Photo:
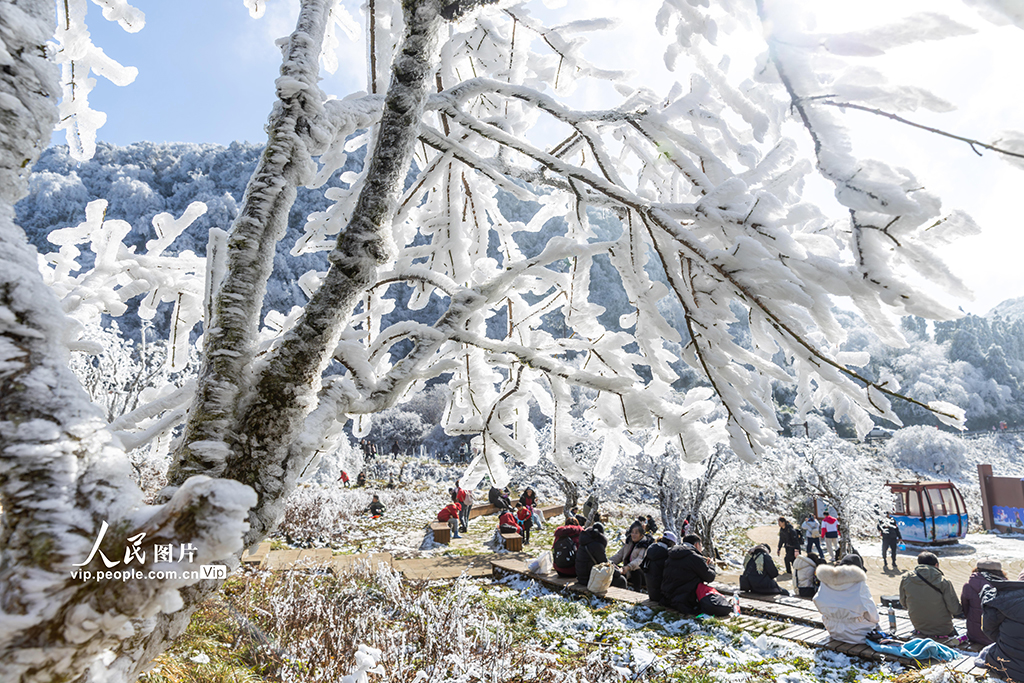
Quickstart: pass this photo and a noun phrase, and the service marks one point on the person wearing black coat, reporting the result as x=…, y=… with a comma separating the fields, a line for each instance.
x=592, y=550
x=654, y=564
x=759, y=572
x=1002, y=620
x=498, y=499
x=685, y=568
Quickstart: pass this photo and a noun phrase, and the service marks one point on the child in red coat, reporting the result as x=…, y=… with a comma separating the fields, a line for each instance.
x=524, y=514
x=450, y=513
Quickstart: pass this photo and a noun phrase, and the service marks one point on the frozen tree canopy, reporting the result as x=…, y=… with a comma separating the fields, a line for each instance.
x=691, y=199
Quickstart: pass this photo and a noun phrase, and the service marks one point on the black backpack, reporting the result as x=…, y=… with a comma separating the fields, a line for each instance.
x=564, y=552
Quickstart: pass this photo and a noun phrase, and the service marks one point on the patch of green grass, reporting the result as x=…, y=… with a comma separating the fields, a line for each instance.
x=214, y=633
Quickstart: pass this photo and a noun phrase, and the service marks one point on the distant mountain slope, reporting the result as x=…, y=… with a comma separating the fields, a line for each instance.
x=1011, y=310
x=976, y=363
x=145, y=178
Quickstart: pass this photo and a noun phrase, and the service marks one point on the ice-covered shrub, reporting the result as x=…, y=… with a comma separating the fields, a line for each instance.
x=928, y=451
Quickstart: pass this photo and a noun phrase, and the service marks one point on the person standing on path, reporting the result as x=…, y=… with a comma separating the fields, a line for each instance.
x=464, y=498
x=891, y=536
x=812, y=533
x=789, y=538
x=830, y=532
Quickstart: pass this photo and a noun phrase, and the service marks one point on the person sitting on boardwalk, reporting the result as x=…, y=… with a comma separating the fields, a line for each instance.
x=529, y=498
x=508, y=524
x=632, y=554
x=844, y=600
x=524, y=515
x=565, y=547
x=375, y=508
x=1003, y=620
x=592, y=550
x=685, y=569
x=803, y=574
x=759, y=572
x=984, y=572
x=653, y=565
x=498, y=499
x=450, y=514
x=930, y=599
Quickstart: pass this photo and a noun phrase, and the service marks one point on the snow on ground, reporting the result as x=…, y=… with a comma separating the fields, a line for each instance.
x=638, y=642
x=993, y=546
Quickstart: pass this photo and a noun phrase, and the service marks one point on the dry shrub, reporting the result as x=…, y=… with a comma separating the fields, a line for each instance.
x=425, y=632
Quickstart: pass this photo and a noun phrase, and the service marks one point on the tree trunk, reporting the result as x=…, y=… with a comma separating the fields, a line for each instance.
x=62, y=479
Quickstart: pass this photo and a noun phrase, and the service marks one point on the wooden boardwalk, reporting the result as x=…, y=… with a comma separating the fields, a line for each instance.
x=788, y=618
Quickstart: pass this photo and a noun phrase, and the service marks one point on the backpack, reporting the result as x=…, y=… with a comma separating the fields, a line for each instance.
x=564, y=552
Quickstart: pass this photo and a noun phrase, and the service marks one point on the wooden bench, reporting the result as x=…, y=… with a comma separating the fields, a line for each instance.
x=513, y=542
x=548, y=511
x=442, y=532
x=803, y=610
x=770, y=614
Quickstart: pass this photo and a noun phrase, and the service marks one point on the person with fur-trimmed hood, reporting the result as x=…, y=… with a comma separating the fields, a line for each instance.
x=844, y=600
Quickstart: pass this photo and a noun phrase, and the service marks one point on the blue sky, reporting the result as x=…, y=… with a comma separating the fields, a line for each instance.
x=206, y=73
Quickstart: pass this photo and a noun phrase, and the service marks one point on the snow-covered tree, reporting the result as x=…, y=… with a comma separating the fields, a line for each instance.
x=703, y=181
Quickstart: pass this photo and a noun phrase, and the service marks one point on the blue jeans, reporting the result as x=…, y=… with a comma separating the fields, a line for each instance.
x=813, y=541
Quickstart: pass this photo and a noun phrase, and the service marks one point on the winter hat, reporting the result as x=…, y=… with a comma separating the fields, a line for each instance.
x=598, y=527
x=990, y=565
x=854, y=560
x=671, y=536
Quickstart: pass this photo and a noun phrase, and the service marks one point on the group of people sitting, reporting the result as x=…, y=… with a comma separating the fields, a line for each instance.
x=671, y=572
x=992, y=605
x=518, y=519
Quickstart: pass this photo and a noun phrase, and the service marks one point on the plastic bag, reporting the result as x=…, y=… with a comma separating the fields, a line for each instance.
x=601, y=578
x=545, y=562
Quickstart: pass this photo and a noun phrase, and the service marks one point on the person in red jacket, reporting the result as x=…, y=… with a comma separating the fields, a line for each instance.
x=507, y=523
x=830, y=532
x=450, y=513
x=567, y=542
x=524, y=515
x=465, y=499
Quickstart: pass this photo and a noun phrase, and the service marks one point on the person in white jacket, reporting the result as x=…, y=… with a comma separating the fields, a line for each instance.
x=804, y=567
x=844, y=600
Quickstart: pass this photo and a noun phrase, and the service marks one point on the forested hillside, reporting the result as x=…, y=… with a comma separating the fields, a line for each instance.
x=975, y=362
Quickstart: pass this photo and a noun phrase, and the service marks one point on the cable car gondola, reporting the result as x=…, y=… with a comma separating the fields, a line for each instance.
x=929, y=512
